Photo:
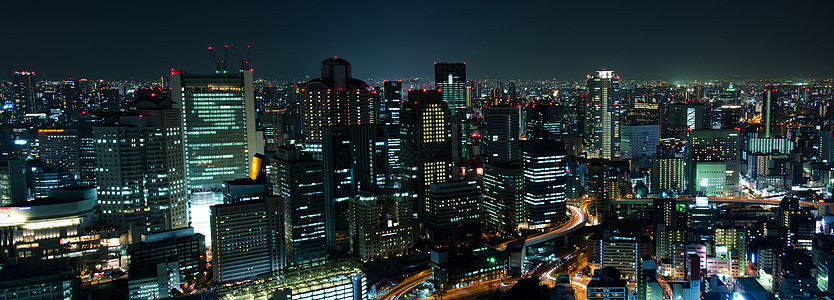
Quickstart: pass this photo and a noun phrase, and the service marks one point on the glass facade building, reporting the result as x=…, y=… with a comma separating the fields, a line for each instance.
x=450, y=78
x=544, y=182
x=218, y=115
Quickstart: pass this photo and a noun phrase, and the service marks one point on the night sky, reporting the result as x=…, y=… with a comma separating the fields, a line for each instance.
x=400, y=39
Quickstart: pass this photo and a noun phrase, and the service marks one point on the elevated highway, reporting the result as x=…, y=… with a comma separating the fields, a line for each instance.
x=715, y=199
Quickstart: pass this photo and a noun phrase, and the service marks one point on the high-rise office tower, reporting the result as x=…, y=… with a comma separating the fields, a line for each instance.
x=183, y=246
x=71, y=149
x=639, y=141
x=356, y=159
x=281, y=127
x=623, y=251
x=426, y=145
x=503, y=205
x=12, y=182
x=543, y=185
x=714, y=162
x=677, y=119
x=730, y=96
x=511, y=95
x=335, y=99
x=390, y=116
x=607, y=180
x=358, y=156
x=602, y=115
x=668, y=175
x=218, y=123
x=667, y=212
x=453, y=214
x=43, y=178
x=299, y=179
x=501, y=134
x=392, y=99
x=671, y=234
x=71, y=99
x=141, y=168
x=254, y=187
x=600, y=184
x=769, y=97
x=826, y=142
x=544, y=122
x=381, y=224
x=248, y=239
x=450, y=78
x=23, y=93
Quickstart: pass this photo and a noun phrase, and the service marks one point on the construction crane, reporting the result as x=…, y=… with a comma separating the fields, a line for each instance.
x=244, y=62
x=220, y=64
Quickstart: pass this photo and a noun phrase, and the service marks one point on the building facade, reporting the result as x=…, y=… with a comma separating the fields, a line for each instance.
x=602, y=115
x=544, y=182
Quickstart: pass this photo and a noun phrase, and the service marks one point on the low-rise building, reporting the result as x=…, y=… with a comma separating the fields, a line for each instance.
x=184, y=246
x=381, y=224
x=462, y=268
x=39, y=279
x=337, y=279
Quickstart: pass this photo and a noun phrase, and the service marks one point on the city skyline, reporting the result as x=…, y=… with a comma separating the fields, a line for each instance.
x=673, y=41
x=416, y=150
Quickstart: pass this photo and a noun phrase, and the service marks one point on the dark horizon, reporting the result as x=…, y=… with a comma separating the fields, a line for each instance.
x=539, y=41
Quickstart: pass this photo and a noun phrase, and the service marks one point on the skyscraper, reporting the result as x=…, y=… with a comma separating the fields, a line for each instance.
x=355, y=159
x=453, y=212
x=12, y=182
x=603, y=181
x=334, y=99
x=381, y=224
x=503, y=205
x=254, y=187
x=248, y=239
x=602, y=115
x=390, y=116
x=501, y=134
x=426, y=146
x=769, y=98
x=544, y=122
x=450, y=78
x=71, y=149
x=543, y=185
x=677, y=119
x=639, y=141
x=668, y=175
x=392, y=99
x=43, y=178
x=714, y=161
x=299, y=178
x=184, y=246
x=23, y=93
x=141, y=168
x=218, y=123
x=730, y=96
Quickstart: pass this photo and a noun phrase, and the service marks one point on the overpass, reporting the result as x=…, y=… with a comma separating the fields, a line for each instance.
x=579, y=216
x=717, y=199
x=408, y=284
